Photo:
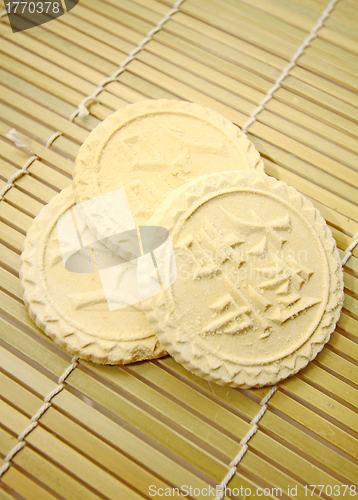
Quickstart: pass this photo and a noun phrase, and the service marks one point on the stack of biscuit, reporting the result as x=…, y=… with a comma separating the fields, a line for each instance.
x=239, y=277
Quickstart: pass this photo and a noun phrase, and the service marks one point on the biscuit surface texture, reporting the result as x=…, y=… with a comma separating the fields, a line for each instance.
x=151, y=148
x=71, y=307
x=259, y=287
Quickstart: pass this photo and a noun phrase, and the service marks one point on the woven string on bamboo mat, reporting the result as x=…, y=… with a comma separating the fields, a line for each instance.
x=286, y=72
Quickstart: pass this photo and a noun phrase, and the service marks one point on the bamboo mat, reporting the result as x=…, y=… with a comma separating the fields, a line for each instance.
x=116, y=432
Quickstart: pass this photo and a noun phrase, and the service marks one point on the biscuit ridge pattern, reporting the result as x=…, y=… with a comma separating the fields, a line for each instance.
x=252, y=377
x=8, y=460
x=77, y=343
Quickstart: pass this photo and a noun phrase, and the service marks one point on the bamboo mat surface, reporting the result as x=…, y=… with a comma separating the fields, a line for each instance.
x=116, y=432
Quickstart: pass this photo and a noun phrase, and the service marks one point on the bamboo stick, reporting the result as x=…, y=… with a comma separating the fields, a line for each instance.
x=351, y=265
x=201, y=429
x=250, y=34
x=310, y=420
x=101, y=52
x=183, y=23
x=302, y=441
x=326, y=85
x=103, y=35
x=9, y=259
x=23, y=485
x=143, y=11
x=158, y=7
x=237, y=52
x=319, y=104
x=328, y=382
x=92, y=420
x=147, y=424
x=132, y=34
x=243, y=70
x=148, y=89
x=45, y=471
x=11, y=237
x=184, y=91
x=220, y=94
x=348, y=324
x=197, y=68
x=256, y=17
x=322, y=145
x=59, y=74
x=19, y=158
x=334, y=55
x=261, y=468
x=43, y=98
x=351, y=283
x=314, y=125
x=139, y=20
x=343, y=345
x=336, y=363
x=321, y=401
x=327, y=70
x=297, y=465
x=18, y=219
x=50, y=119
x=302, y=151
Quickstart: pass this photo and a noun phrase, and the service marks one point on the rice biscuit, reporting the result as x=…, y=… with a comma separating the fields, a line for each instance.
x=151, y=148
x=259, y=287
x=71, y=307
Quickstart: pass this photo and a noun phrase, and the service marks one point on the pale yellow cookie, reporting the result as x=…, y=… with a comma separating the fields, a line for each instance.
x=151, y=148
x=71, y=307
x=259, y=287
